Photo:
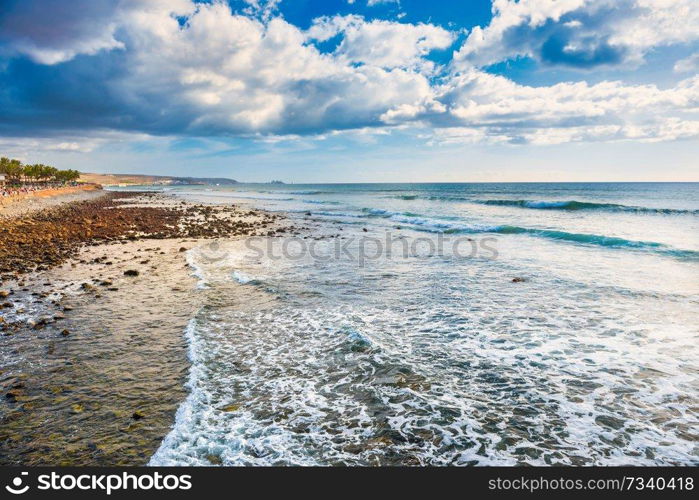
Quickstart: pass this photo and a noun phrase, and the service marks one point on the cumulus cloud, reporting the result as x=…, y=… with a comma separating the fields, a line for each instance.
x=381, y=43
x=579, y=33
x=233, y=74
x=180, y=68
x=478, y=104
x=53, y=32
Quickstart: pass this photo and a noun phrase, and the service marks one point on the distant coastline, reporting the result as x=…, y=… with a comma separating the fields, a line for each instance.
x=151, y=180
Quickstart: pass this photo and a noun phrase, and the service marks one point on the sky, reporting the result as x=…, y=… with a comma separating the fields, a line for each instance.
x=354, y=90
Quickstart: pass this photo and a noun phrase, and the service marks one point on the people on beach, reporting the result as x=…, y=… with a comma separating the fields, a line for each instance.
x=17, y=179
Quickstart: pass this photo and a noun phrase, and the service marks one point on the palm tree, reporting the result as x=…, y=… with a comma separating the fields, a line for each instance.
x=32, y=171
x=14, y=171
x=4, y=165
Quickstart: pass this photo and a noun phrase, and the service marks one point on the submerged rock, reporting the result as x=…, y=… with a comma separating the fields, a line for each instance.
x=231, y=407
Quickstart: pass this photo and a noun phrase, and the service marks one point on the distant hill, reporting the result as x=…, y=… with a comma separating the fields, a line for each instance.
x=149, y=180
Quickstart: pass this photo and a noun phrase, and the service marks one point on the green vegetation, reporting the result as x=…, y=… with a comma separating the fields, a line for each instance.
x=16, y=173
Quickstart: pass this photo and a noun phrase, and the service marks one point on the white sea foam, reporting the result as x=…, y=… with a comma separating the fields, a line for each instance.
x=489, y=383
x=242, y=278
x=591, y=359
x=197, y=270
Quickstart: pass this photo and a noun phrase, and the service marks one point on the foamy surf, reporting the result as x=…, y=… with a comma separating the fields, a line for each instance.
x=574, y=347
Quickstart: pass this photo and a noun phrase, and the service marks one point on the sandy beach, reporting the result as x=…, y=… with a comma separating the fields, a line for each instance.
x=25, y=203
x=95, y=293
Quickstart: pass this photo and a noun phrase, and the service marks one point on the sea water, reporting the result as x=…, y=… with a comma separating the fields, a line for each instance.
x=563, y=331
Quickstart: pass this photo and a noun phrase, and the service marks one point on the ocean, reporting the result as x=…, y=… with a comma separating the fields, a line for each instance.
x=447, y=324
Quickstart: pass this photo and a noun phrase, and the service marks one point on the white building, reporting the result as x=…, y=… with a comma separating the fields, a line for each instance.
x=2, y=178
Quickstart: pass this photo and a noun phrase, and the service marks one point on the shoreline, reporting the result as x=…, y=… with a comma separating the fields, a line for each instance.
x=93, y=358
x=23, y=203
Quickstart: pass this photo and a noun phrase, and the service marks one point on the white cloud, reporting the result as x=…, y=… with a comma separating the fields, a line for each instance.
x=688, y=65
x=580, y=33
x=201, y=70
x=381, y=43
x=503, y=111
x=23, y=148
x=229, y=73
x=51, y=33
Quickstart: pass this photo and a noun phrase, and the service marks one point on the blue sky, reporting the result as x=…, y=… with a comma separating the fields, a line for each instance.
x=354, y=91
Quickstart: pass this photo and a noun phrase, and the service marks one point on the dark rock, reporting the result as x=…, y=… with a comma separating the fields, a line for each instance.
x=518, y=280
x=131, y=272
x=13, y=395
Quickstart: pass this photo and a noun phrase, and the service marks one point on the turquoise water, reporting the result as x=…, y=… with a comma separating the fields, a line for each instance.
x=332, y=350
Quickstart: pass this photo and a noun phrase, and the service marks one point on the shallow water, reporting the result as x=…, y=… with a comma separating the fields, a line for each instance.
x=124, y=353
x=436, y=358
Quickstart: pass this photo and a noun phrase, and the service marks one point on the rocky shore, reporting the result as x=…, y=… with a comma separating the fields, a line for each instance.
x=94, y=298
x=41, y=240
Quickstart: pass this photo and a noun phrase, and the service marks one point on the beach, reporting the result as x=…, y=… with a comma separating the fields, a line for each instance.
x=95, y=296
x=357, y=324
x=21, y=203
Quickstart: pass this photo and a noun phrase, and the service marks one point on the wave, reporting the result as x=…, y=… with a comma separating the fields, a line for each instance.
x=321, y=202
x=583, y=205
x=451, y=225
x=571, y=205
x=337, y=214
x=410, y=197
x=244, y=279
x=582, y=238
x=302, y=192
x=232, y=194
x=196, y=269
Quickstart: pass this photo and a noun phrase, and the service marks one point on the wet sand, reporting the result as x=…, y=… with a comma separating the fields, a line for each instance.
x=92, y=354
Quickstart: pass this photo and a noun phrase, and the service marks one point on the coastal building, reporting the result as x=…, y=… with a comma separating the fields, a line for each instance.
x=2, y=179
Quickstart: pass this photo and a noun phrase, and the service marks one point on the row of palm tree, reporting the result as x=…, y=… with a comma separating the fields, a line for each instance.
x=17, y=173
